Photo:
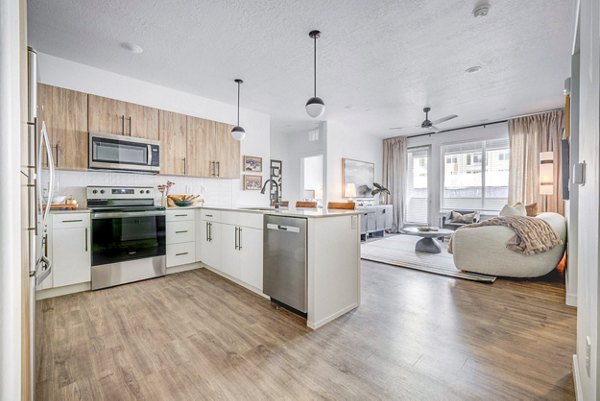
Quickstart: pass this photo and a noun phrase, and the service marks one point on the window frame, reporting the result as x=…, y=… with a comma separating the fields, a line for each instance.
x=442, y=166
x=428, y=148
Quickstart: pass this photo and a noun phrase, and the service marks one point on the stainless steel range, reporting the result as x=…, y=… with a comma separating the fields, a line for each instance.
x=128, y=235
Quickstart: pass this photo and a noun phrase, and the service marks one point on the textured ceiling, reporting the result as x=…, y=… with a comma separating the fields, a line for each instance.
x=380, y=61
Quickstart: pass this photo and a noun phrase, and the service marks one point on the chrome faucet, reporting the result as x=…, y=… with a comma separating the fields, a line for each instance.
x=264, y=188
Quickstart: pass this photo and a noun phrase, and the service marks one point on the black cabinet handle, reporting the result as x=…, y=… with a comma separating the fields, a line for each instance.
x=181, y=232
x=181, y=254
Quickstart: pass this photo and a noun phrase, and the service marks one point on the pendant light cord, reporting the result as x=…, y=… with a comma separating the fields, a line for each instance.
x=315, y=62
x=238, y=110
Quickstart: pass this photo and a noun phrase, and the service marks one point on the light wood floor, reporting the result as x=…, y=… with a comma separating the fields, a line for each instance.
x=416, y=336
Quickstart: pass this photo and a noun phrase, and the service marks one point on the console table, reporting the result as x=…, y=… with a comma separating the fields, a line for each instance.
x=375, y=220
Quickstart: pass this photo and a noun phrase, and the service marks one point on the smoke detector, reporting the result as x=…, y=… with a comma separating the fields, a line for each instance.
x=481, y=9
x=132, y=47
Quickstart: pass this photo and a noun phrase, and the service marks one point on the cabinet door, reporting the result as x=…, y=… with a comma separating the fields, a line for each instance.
x=210, y=248
x=65, y=113
x=106, y=115
x=173, y=143
x=227, y=152
x=141, y=121
x=251, y=256
x=230, y=263
x=71, y=263
x=200, y=147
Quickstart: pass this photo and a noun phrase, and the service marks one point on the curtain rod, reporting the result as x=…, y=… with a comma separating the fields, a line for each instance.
x=484, y=124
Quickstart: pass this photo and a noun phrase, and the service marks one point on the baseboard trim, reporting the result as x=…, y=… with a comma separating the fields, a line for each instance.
x=60, y=291
x=184, y=268
x=324, y=321
x=577, y=380
x=571, y=299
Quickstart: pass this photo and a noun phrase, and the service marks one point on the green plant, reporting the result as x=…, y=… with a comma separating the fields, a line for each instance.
x=379, y=189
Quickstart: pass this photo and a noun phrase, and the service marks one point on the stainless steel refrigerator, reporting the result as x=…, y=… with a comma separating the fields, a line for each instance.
x=38, y=182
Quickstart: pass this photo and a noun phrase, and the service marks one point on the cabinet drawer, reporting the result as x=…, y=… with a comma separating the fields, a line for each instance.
x=180, y=215
x=70, y=220
x=180, y=231
x=181, y=254
x=210, y=215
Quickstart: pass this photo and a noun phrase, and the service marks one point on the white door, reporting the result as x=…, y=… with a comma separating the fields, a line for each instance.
x=230, y=263
x=251, y=256
x=70, y=256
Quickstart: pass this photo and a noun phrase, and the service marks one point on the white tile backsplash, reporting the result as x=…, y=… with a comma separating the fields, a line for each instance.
x=215, y=192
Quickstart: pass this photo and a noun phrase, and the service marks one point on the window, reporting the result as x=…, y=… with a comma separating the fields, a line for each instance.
x=467, y=185
x=417, y=202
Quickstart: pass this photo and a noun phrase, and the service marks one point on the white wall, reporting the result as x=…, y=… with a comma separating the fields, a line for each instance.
x=291, y=148
x=313, y=174
x=71, y=75
x=436, y=141
x=345, y=142
x=10, y=205
x=589, y=227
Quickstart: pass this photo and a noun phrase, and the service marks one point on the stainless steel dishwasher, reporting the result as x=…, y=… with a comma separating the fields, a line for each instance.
x=284, y=276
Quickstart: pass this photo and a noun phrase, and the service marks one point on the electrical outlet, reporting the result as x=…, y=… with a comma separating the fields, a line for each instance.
x=588, y=355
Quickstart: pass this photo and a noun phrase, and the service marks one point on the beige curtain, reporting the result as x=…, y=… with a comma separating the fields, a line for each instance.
x=394, y=176
x=529, y=136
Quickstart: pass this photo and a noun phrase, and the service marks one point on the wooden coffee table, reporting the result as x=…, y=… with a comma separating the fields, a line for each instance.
x=428, y=242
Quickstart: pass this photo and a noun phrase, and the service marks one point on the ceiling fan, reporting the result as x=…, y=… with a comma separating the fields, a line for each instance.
x=428, y=124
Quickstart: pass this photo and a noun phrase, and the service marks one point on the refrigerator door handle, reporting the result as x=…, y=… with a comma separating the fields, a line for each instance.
x=45, y=144
x=41, y=274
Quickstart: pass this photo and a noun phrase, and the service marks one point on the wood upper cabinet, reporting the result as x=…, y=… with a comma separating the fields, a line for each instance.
x=141, y=121
x=110, y=116
x=227, y=152
x=106, y=115
x=65, y=113
x=173, y=143
x=200, y=147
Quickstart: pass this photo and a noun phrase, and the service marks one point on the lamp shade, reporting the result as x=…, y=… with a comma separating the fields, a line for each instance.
x=546, y=177
x=315, y=107
x=238, y=133
x=350, y=191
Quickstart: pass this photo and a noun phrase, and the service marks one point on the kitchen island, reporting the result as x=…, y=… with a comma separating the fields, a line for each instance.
x=231, y=241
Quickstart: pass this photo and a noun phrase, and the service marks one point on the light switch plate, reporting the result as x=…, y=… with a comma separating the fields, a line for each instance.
x=579, y=173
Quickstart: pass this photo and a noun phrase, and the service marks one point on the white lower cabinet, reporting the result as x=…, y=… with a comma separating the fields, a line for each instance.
x=181, y=237
x=210, y=244
x=69, y=249
x=251, y=256
x=232, y=243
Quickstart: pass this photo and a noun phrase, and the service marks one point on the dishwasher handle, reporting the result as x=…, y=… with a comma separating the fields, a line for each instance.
x=278, y=227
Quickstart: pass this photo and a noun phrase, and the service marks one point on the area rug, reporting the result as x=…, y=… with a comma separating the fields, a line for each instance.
x=399, y=250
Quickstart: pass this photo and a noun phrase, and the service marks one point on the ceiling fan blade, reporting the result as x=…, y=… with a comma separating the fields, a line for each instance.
x=414, y=126
x=434, y=128
x=444, y=119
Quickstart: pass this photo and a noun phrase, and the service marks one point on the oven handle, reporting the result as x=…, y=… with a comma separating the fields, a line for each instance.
x=113, y=215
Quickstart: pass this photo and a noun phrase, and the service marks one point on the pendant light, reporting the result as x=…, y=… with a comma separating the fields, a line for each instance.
x=315, y=107
x=238, y=133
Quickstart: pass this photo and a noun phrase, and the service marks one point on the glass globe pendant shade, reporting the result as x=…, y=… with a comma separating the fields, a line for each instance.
x=315, y=107
x=238, y=133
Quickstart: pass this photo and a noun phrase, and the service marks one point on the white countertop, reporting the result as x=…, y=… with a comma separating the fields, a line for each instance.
x=290, y=212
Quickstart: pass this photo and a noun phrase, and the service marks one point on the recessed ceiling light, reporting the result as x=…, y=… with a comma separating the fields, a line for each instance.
x=481, y=9
x=132, y=47
x=473, y=69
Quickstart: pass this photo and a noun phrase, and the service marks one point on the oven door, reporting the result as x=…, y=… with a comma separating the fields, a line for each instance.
x=120, y=153
x=127, y=246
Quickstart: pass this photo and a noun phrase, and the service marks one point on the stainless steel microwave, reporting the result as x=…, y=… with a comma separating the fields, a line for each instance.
x=118, y=152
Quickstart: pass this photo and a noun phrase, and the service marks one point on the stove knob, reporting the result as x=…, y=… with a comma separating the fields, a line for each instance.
x=147, y=191
x=101, y=191
x=141, y=191
x=95, y=191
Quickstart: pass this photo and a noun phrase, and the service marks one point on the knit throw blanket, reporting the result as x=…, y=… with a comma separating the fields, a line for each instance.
x=532, y=236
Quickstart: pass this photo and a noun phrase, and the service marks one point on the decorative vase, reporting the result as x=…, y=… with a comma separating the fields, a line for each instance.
x=163, y=201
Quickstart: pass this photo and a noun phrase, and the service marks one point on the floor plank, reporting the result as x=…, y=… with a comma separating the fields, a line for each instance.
x=416, y=336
